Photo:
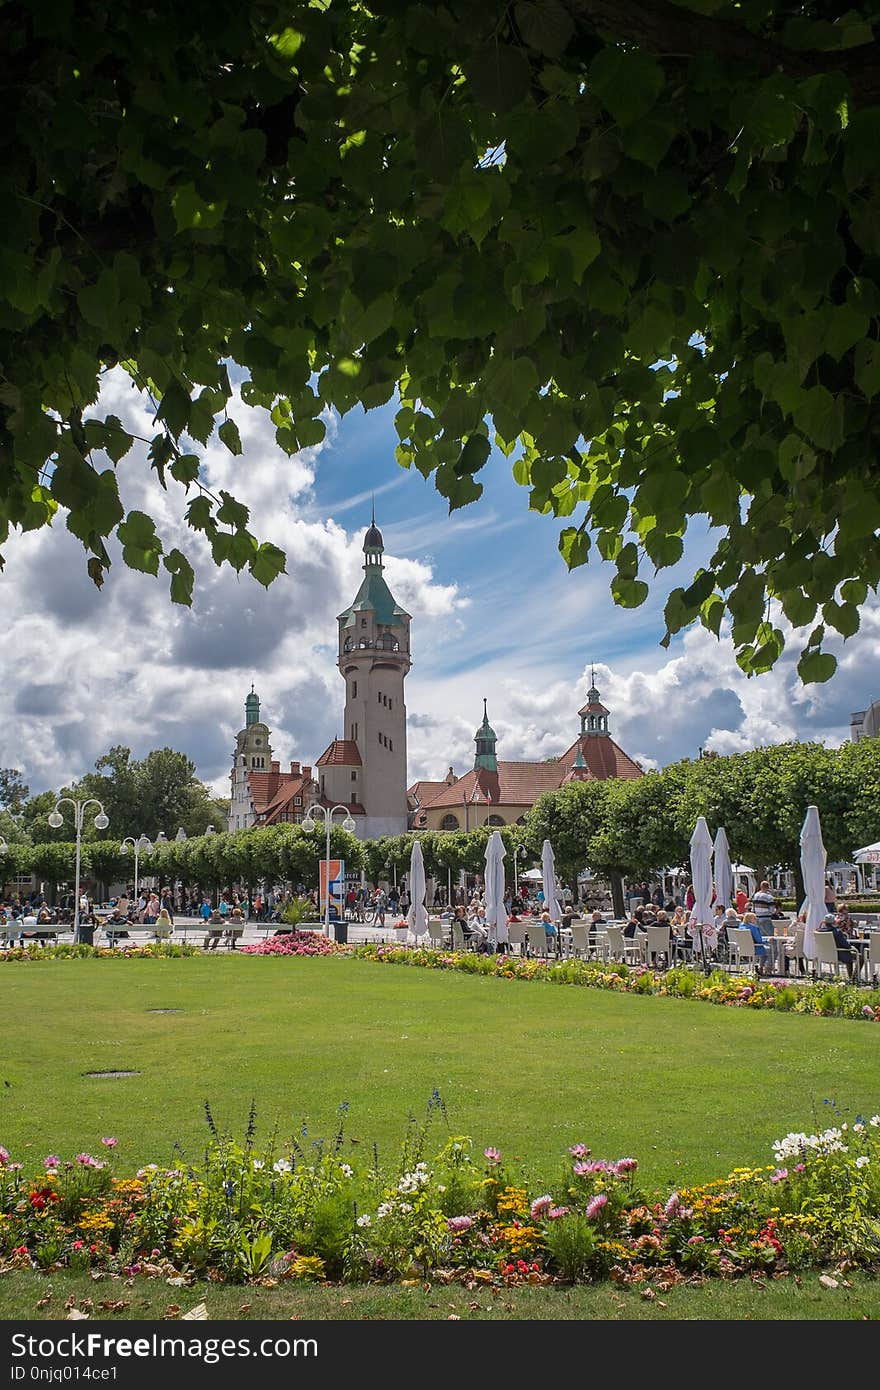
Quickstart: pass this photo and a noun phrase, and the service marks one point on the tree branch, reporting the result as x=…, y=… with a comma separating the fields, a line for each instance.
x=671, y=30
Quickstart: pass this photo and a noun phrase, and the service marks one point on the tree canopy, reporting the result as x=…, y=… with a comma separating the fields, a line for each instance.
x=635, y=242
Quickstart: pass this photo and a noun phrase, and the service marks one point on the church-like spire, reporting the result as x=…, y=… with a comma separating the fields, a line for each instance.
x=485, y=739
x=373, y=544
x=594, y=715
x=252, y=708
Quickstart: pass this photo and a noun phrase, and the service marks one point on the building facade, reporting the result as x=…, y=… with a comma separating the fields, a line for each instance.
x=496, y=792
x=364, y=768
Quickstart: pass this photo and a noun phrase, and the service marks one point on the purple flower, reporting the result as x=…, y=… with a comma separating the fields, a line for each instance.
x=541, y=1206
x=580, y=1151
x=780, y=1175
x=867, y=1011
x=85, y=1159
x=492, y=1155
x=457, y=1224
x=596, y=1205
x=51, y=1161
x=4, y=1156
x=109, y=1143
x=555, y=1212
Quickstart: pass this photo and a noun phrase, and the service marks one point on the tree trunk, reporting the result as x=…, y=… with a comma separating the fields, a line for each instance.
x=617, y=894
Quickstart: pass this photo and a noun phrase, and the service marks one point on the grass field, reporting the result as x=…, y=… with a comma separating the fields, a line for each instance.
x=688, y=1089
x=24, y=1295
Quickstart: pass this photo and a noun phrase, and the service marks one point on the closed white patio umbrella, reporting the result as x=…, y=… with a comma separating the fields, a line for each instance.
x=723, y=871
x=813, y=858
x=548, y=874
x=417, y=917
x=701, y=924
x=496, y=914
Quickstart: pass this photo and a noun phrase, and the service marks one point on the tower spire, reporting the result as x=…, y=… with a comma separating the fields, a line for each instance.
x=485, y=739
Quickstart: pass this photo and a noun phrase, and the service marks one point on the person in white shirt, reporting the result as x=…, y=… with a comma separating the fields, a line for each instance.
x=764, y=907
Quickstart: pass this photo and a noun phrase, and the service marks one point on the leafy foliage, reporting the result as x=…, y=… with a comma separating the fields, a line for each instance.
x=635, y=244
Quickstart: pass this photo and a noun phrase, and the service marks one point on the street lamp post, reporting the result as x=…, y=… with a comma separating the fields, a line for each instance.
x=139, y=845
x=56, y=820
x=309, y=824
x=520, y=850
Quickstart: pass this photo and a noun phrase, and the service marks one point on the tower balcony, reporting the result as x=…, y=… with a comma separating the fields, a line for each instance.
x=379, y=644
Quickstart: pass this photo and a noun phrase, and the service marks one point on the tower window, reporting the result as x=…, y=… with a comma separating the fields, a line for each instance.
x=354, y=776
x=379, y=696
x=390, y=703
x=354, y=690
x=363, y=622
x=257, y=742
x=391, y=745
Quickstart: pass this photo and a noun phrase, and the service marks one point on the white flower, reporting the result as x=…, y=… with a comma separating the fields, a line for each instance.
x=441, y=1187
x=862, y=1161
x=281, y=1166
x=384, y=1209
x=365, y=1220
x=346, y=1170
x=405, y=1207
x=857, y=1128
x=258, y=1164
x=875, y=1120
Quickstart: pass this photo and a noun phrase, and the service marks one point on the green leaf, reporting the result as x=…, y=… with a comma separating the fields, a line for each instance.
x=191, y=212
x=182, y=577
x=98, y=303
x=185, y=468
x=867, y=368
x=628, y=593
x=232, y=513
x=267, y=563
x=820, y=416
x=228, y=432
x=842, y=616
x=574, y=546
x=814, y=667
x=626, y=81
x=200, y=514
x=473, y=456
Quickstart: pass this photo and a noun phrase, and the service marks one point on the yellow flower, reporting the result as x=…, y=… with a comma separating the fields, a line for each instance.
x=520, y=1238
x=306, y=1267
x=513, y=1201
x=94, y=1222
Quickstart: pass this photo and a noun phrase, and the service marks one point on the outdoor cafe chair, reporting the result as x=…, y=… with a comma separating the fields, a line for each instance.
x=622, y=947
x=657, y=944
x=540, y=944
x=745, y=948
x=516, y=936
x=871, y=958
x=458, y=941
x=826, y=953
x=795, y=949
x=580, y=940
x=437, y=934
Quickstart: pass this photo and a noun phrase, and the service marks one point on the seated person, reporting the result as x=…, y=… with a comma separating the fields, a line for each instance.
x=215, y=925
x=750, y=922
x=844, y=921
x=549, y=929
x=596, y=919
x=845, y=952
x=476, y=930
x=636, y=923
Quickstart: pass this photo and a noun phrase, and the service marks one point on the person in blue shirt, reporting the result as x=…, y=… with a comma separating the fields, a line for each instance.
x=750, y=922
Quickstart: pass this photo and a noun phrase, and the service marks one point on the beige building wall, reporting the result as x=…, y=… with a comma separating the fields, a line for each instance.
x=475, y=816
x=253, y=753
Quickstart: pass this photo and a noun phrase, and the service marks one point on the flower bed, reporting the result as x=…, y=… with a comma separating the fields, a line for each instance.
x=825, y=998
x=79, y=951
x=296, y=943
x=251, y=1215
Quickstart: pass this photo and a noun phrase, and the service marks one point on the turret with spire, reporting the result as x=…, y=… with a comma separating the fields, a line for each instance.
x=485, y=739
x=594, y=715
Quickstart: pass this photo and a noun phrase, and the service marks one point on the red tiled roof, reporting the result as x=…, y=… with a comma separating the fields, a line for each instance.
x=594, y=707
x=354, y=807
x=421, y=792
x=514, y=784
x=603, y=757
x=341, y=750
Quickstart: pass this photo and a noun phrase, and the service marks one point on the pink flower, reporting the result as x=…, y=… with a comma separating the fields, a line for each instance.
x=580, y=1151
x=596, y=1205
x=51, y=1161
x=78, y=1244
x=15, y=1167
x=459, y=1223
x=4, y=1156
x=555, y=1212
x=697, y=1240
x=867, y=1011
x=85, y=1159
x=492, y=1155
x=800, y=1167
x=672, y=1206
x=541, y=1206
x=686, y=1213
x=780, y=1175
x=109, y=1143
x=626, y=1165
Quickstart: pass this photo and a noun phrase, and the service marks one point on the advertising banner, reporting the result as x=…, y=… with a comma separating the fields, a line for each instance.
x=337, y=888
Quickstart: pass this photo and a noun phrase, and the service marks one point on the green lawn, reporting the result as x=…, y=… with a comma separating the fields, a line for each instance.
x=689, y=1089
x=34, y=1296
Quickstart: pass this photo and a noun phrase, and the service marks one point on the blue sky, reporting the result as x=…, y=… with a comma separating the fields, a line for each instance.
x=495, y=614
